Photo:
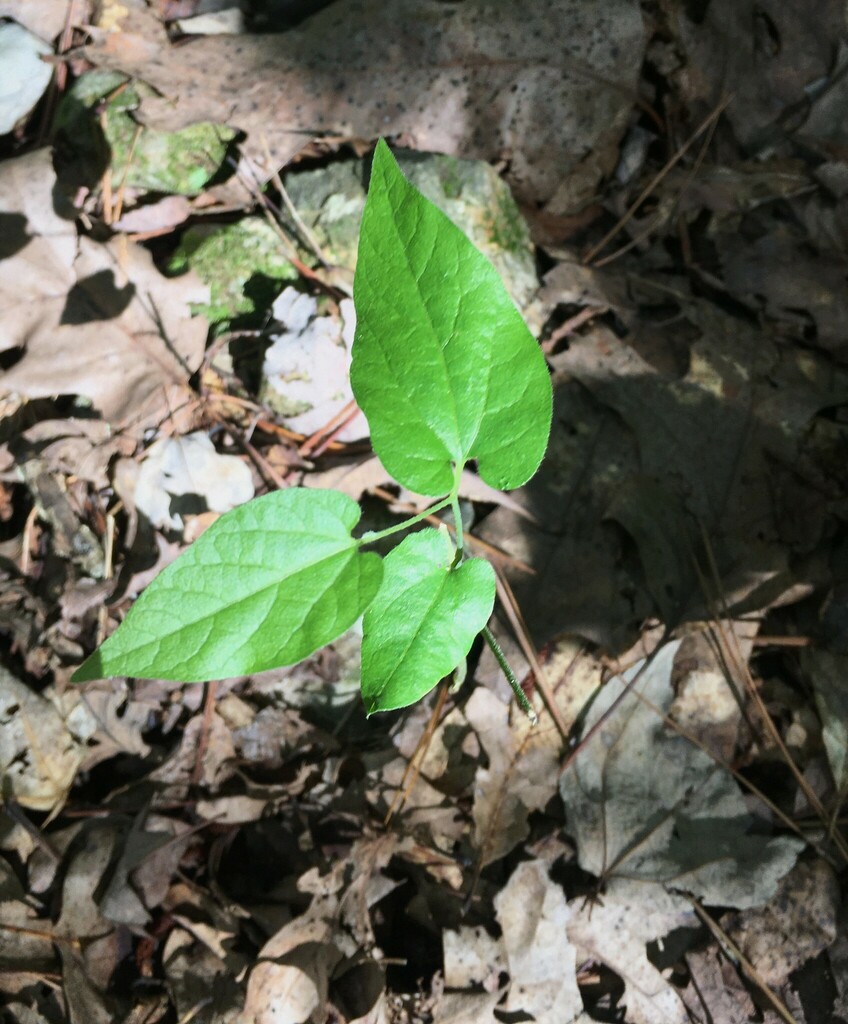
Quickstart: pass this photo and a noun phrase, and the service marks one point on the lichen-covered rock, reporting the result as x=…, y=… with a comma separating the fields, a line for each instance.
x=95, y=129
x=243, y=265
x=330, y=201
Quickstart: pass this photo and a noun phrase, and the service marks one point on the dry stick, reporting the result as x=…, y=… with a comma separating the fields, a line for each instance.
x=26, y=542
x=189, y=1016
x=652, y=184
x=648, y=231
x=271, y=477
x=108, y=569
x=39, y=934
x=841, y=797
x=106, y=186
x=257, y=195
x=735, y=955
x=571, y=325
x=305, y=232
x=782, y=641
x=331, y=437
x=516, y=620
x=340, y=417
x=210, y=691
x=413, y=767
x=745, y=673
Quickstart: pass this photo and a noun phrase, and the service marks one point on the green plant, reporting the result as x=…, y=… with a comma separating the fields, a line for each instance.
x=446, y=371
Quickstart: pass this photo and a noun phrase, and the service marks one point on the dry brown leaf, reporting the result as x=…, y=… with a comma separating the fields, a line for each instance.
x=643, y=802
x=616, y=930
x=466, y=1008
x=176, y=467
x=38, y=755
x=162, y=215
x=68, y=447
x=85, y=1004
x=709, y=691
x=93, y=320
x=764, y=53
x=82, y=917
x=219, y=756
x=753, y=488
x=337, y=920
x=534, y=918
x=777, y=273
x=716, y=989
x=45, y=18
x=521, y=776
x=795, y=925
x=548, y=85
x=473, y=958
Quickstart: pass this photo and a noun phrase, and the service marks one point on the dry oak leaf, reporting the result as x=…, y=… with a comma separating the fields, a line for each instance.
x=93, y=320
x=642, y=802
x=549, y=84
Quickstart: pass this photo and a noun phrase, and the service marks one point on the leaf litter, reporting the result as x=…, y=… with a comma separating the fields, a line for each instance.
x=256, y=849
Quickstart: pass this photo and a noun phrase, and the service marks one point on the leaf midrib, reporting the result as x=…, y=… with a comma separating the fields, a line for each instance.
x=434, y=333
x=387, y=682
x=351, y=549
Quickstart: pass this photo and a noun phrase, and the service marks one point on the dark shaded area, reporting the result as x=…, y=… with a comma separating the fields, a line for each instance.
x=13, y=234
x=97, y=297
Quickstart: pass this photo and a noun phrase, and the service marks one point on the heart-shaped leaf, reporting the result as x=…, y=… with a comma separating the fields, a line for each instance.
x=423, y=620
x=444, y=367
x=266, y=585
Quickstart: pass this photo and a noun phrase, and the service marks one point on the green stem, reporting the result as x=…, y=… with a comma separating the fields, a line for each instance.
x=372, y=537
x=457, y=512
x=520, y=695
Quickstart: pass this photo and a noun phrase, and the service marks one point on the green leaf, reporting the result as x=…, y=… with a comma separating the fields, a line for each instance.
x=423, y=621
x=444, y=367
x=266, y=585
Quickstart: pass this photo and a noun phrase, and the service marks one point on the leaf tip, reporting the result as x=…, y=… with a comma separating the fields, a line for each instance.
x=91, y=668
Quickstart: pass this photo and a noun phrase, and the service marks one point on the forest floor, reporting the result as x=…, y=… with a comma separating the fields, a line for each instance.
x=664, y=190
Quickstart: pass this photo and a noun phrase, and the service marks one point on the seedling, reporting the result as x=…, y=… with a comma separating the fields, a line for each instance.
x=446, y=371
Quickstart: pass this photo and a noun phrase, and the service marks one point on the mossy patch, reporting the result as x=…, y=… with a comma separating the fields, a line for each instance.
x=242, y=264
x=507, y=228
x=96, y=129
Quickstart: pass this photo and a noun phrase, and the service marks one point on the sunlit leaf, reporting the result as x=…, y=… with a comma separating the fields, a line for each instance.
x=423, y=621
x=266, y=585
x=444, y=367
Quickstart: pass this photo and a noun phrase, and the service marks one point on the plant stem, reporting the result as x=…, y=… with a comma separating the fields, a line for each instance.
x=520, y=695
x=457, y=511
x=372, y=537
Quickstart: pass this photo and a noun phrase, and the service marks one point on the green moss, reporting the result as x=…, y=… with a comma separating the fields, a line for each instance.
x=93, y=137
x=449, y=174
x=243, y=265
x=506, y=227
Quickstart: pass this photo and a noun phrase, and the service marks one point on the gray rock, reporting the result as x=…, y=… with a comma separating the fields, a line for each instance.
x=330, y=202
